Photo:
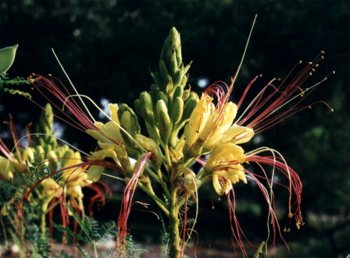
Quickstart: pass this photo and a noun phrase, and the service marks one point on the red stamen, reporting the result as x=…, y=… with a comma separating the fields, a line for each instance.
x=294, y=181
x=127, y=203
x=4, y=150
x=236, y=230
x=262, y=113
x=101, y=189
x=48, y=88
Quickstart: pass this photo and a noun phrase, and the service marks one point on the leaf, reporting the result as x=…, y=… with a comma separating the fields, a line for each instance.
x=7, y=56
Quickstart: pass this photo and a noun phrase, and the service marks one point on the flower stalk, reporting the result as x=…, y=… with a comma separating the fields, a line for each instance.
x=174, y=224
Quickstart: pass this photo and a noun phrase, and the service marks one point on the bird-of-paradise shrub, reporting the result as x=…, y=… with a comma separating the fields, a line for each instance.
x=170, y=128
x=48, y=176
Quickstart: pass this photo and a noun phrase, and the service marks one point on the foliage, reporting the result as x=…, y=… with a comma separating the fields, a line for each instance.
x=7, y=57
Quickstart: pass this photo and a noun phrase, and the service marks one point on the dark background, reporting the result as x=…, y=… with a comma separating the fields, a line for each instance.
x=109, y=48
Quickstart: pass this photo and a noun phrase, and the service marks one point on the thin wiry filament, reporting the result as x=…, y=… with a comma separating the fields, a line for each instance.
x=236, y=229
x=71, y=83
x=196, y=212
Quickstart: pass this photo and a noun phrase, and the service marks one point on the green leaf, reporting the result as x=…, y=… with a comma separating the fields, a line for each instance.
x=7, y=56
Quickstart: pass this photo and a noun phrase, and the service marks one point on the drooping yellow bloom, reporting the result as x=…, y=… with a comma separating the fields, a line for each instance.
x=225, y=164
x=50, y=189
x=75, y=177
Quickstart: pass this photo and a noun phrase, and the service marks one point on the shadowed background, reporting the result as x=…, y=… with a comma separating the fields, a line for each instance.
x=109, y=48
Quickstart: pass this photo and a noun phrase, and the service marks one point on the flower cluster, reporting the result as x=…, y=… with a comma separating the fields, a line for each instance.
x=57, y=169
x=171, y=128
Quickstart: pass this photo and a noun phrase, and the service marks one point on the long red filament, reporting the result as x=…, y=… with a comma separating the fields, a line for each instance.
x=127, y=204
x=41, y=84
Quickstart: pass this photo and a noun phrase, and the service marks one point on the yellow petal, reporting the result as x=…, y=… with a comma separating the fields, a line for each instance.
x=113, y=109
x=225, y=155
x=219, y=121
x=5, y=169
x=237, y=135
x=50, y=187
x=96, y=135
x=105, y=153
x=221, y=185
x=75, y=192
x=112, y=131
x=198, y=119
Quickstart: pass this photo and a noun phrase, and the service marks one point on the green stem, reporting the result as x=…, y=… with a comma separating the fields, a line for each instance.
x=95, y=249
x=158, y=177
x=167, y=161
x=156, y=199
x=43, y=225
x=174, y=221
x=4, y=232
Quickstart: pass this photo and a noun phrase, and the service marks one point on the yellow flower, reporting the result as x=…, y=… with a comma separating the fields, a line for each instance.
x=50, y=188
x=108, y=132
x=219, y=121
x=225, y=164
x=75, y=176
x=210, y=126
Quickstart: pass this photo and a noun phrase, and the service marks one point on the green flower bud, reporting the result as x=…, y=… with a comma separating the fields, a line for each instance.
x=178, y=92
x=172, y=44
x=162, y=96
x=128, y=120
x=153, y=131
x=178, y=76
x=190, y=105
x=184, y=80
x=164, y=74
x=177, y=109
x=163, y=120
x=123, y=158
x=169, y=87
x=45, y=127
x=186, y=94
x=173, y=66
x=138, y=107
x=146, y=107
x=150, y=145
